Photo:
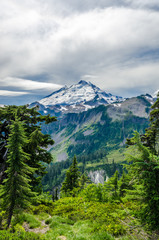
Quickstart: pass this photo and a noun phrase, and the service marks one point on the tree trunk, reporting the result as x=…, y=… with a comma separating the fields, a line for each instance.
x=10, y=214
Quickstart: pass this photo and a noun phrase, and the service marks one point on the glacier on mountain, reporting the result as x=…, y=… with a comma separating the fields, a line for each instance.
x=82, y=92
x=76, y=98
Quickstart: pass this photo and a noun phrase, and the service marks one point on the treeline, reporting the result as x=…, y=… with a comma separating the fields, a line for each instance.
x=106, y=136
x=22, y=154
x=56, y=171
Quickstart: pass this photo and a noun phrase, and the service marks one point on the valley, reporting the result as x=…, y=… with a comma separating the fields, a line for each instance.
x=97, y=135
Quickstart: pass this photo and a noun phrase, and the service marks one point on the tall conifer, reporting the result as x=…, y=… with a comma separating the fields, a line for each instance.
x=16, y=190
x=151, y=137
x=72, y=177
x=145, y=169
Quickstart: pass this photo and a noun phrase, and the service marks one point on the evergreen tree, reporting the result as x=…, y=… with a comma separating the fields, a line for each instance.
x=151, y=136
x=71, y=181
x=37, y=144
x=56, y=194
x=114, y=182
x=124, y=184
x=145, y=169
x=84, y=180
x=16, y=190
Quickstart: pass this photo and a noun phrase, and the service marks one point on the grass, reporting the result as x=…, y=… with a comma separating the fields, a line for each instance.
x=116, y=155
x=74, y=219
x=81, y=230
x=28, y=218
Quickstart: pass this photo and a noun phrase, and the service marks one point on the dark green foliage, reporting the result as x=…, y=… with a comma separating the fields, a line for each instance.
x=151, y=137
x=55, y=195
x=56, y=171
x=16, y=190
x=37, y=142
x=114, y=182
x=84, y=181
x=106, y=136
x=124, y=184
x=71, y=182
x=145, y=169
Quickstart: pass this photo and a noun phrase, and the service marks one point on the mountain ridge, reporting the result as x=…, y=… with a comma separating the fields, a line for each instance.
x=76, y=98
x=80, y=97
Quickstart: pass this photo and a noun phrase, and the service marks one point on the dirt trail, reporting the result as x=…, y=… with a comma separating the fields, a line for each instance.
x=42, y=229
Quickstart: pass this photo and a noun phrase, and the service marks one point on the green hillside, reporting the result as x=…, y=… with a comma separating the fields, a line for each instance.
x=94, y=130
x=97, y=139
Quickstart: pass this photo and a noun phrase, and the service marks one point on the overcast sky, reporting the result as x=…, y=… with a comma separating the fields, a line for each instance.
x=45, y=44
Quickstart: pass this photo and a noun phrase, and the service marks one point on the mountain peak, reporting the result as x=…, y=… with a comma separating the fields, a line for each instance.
x=78, y=97
x=83, y=82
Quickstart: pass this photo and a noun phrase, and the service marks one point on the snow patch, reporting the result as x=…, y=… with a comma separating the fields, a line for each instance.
x=82, y=92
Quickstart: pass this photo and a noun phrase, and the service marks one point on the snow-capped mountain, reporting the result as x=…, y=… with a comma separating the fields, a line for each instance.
x=79, y=93
x=76, y=98
x=155, y=94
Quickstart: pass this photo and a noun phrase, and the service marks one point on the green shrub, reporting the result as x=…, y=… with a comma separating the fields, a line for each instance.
x=2, y=214
x=42, y=208
x=20, y=235
x=25, y=217
x=102, y=236
x=18, y=228
x=114, y=229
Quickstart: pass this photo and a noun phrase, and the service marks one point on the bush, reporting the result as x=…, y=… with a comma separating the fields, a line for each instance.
x=19, y=235
x=25, y=217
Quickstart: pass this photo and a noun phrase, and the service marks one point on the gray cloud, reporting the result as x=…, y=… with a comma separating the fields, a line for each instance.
x=115, y=41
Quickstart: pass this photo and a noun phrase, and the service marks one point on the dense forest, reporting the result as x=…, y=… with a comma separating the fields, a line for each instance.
x=125, y=207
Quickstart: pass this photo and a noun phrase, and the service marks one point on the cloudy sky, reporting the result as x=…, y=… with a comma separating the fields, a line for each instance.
x=45, y=44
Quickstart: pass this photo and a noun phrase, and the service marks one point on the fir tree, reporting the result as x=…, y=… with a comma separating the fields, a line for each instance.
x=56, y=194
x=114, y=182
x=71, y=181
x=151, y=136
x=145, y=169
x=84, y=180
x=152, y=133
x=37, y=143
x=16, y=190
x=124, y=184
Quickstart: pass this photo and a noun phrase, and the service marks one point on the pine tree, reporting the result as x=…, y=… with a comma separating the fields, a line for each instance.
x=71, y=181
x=37, y=144
x=123, y=185
x=151, y=136
x=145, y=169
x=56, y=194
x=84, y=180
x=114, y=182
x=16, y=190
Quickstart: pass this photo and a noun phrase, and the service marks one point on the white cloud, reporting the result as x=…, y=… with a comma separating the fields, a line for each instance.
x=27, y=84
x=128, y=79
x=70, y=39
x=11, y=93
